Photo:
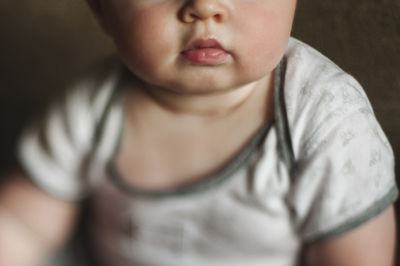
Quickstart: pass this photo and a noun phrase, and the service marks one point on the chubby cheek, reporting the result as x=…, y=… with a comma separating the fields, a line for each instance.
x=263, y=41
x=140, y=50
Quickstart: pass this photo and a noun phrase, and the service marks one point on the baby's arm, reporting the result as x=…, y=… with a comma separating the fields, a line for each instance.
x=32, y=223
x=369, y=245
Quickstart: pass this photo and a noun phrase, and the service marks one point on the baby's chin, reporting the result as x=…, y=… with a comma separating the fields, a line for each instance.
x=199, y=80
x=204, y=87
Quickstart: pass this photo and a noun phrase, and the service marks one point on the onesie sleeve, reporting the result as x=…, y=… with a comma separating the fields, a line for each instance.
x=53, y=150
x=344, y=174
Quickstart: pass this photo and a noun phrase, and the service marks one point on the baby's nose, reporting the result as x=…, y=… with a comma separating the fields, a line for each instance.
x=204, y=9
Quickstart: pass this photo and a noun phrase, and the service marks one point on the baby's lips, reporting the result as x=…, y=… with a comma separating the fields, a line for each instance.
x=204, y=43
x=206, y=56
x=205, y=52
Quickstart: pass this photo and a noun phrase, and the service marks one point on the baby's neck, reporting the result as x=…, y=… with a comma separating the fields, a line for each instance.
x=210, y=105
x=206, y=134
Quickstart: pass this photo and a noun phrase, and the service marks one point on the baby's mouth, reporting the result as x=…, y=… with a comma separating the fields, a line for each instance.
x=205, y=52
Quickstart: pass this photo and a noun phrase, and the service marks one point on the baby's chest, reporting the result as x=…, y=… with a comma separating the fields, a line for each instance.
x=217, y=227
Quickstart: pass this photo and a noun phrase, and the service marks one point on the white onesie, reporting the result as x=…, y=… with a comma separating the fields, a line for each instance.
x=321, y=168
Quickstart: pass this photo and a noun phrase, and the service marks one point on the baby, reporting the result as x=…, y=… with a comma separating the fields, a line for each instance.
x=214, y=139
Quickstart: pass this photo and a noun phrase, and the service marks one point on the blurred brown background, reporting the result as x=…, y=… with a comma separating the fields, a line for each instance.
x=44, y=44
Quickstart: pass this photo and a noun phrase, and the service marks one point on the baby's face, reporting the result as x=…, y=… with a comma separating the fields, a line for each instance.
x=200, y=46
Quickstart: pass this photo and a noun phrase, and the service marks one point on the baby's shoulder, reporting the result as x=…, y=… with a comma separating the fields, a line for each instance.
x=319, y=96
x=93, y=87
x=312, y=79
x=81, y=104
x=77, y=111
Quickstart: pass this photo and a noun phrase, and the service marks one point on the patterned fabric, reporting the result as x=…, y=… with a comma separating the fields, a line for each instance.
x=323, y=168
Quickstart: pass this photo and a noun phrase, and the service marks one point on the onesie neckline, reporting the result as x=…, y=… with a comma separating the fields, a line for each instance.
x=206, y=183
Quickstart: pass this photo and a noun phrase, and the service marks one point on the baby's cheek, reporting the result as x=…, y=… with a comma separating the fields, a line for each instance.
x=148, y=38
x=263, y=38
